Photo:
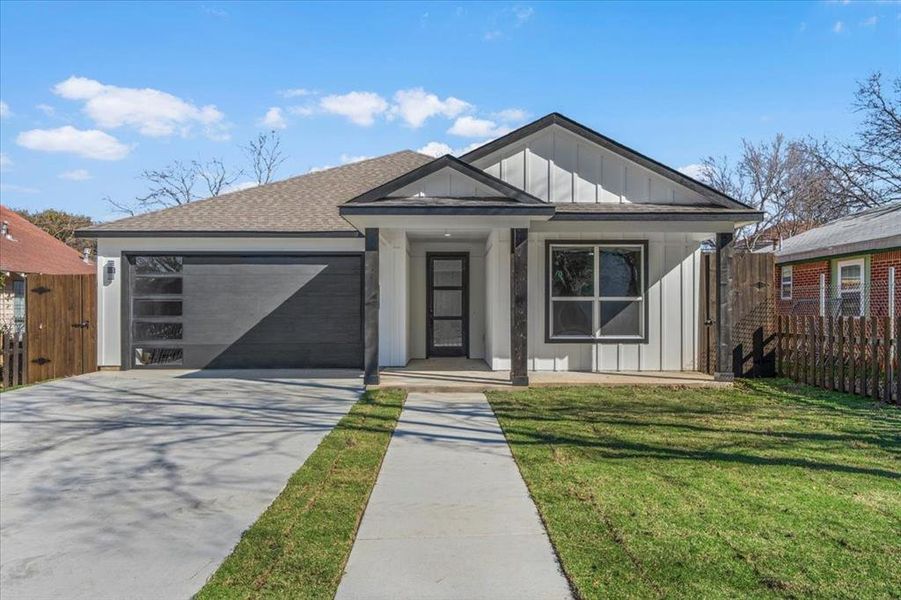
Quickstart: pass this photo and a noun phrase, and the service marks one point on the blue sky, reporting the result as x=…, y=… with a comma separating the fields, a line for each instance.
x=94, y=93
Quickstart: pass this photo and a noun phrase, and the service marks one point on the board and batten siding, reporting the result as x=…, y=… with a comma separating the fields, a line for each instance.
x=445, y=183
x=672, y=297
x=558, y=166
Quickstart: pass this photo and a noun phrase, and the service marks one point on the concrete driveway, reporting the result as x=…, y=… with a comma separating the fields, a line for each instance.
x=138, y=484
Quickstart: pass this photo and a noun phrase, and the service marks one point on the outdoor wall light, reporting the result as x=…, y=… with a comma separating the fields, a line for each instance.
x=109, y=271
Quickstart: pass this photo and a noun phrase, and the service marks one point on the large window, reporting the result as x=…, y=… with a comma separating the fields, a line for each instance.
x=786, y=289
x=596, y=292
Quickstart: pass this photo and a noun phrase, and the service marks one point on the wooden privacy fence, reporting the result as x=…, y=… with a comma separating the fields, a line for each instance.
x=753, y=315
x=12, y=360
x=857, y=355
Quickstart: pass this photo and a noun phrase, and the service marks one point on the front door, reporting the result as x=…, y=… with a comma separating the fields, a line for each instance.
x=447, y=311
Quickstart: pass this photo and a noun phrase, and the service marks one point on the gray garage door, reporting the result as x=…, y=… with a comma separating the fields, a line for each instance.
x=225, y=311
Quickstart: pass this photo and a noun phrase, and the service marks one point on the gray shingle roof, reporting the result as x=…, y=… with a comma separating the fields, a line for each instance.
x=874, y=229
x=303, y=204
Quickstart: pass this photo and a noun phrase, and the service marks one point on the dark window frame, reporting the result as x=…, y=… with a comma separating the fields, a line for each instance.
x=645, y=312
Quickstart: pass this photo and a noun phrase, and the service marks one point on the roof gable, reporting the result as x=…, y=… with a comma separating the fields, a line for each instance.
x=657, y=187
x=462, y=181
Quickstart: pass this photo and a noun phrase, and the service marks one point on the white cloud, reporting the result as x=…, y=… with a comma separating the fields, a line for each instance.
x=522, y=14
x=18, y=189
x=90, y=143
x=694, y=170
x=46, y=109
x=511, y=115
x=152, y=112
x=4, y=110
x=295, y=93
x=5, y=161
x=302, y=111
x=870, y=22
x=436, y=149
x=237, y=187
x=838, y=27
x=481, y=128
x=346, y=159
x=274, y=118
x=76, y=175
x=360, y=108
x=415, y=105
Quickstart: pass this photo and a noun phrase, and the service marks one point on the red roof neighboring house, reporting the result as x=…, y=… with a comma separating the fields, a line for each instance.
x=27, y=248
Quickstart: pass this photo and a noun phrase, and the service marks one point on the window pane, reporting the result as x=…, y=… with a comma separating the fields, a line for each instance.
x=850, y=304
x=572, y=272
x=620, y=272
x=849, y=277
x=152, y=308
x=621, y=318
x=447, y=334
x=158, y=356
x=158, y=264
x=447, y=272
x=157, y=285
x=157, y=331
x=448, y=303
x=571, y=318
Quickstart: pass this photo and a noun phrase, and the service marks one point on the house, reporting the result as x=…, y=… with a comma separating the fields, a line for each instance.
x=27, y=249
x=848, y=267
x=550, y=248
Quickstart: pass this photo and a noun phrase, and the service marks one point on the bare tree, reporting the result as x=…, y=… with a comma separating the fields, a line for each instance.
x=866, y=172
x=265, y=156
x=778, y=178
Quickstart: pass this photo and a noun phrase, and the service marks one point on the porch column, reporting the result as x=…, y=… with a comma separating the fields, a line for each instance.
x=519, y=306
x=371, y=308
x=725, y=370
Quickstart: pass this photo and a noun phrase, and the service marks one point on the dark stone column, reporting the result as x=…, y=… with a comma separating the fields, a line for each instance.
x=519, y=306
x=371, y=308
x=725, y=370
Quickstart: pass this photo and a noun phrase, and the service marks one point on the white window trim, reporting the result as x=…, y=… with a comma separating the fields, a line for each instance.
x=863, y=280
x=596, y=298
x=787, y=274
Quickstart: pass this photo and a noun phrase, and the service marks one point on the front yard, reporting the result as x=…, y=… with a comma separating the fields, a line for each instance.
x=769, y=489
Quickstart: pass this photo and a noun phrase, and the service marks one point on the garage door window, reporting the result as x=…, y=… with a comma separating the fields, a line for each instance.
x=157, y=306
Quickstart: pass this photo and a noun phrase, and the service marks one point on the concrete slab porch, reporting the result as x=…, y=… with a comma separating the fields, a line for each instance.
x=467, y=375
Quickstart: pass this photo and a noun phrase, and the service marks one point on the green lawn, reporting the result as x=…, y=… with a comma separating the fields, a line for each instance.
x=770, y=489
x=299, y=546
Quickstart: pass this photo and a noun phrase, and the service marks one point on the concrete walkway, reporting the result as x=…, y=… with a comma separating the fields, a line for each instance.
x=450, y=516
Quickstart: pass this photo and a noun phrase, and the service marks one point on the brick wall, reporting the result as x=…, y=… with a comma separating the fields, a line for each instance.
x=805, y=288
x=879, y=266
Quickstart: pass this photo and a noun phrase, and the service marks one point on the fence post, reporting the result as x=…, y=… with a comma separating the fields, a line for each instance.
x=887, y=360
x=874, y=357
x=852, y=355
x=841, y=354
x=822, y=294
x=829, y=362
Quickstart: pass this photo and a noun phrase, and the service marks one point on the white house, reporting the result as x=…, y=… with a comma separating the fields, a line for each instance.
x=550, y=248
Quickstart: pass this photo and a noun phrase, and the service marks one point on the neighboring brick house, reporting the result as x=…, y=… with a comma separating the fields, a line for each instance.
x=847, y=267
x=25, y=249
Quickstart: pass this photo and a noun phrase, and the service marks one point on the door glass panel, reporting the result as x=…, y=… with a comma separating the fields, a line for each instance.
x=149, y=286
x=447, y=272
x=158, y=356
x=572, y=318
x=572, y=272
x=448, y=303
x=144, y=331
x=161, y=308
x=158, y=264
x=621, y=318
x=447, y=333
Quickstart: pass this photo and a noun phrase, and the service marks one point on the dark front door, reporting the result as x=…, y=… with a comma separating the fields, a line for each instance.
x=447, y=313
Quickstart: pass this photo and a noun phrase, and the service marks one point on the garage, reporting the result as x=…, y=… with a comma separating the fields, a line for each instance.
x=231, y=311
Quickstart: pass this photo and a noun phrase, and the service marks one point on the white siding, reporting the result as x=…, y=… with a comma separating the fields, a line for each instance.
x=672, y=311
x=556, y=165
x=497, y=299
x=445, y=183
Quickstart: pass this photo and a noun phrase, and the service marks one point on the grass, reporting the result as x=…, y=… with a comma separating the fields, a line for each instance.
x=299, y=546
x=770, y=489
